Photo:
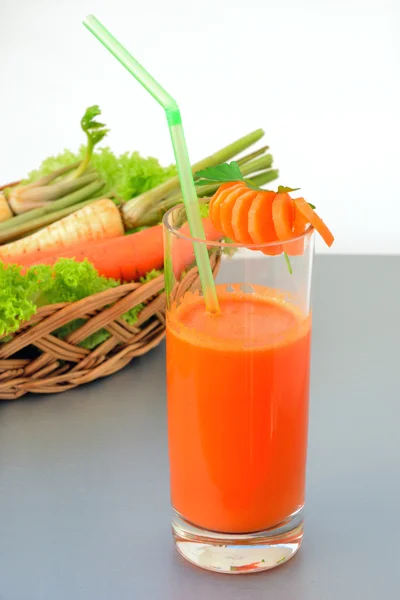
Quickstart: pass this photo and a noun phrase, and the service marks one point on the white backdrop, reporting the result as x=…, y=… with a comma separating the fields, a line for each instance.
x=320, y=76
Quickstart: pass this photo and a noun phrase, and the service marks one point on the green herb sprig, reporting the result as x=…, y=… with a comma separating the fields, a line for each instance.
x=224, y=173
x=95, y=132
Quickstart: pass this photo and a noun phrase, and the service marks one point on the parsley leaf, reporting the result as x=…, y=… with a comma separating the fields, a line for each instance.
x=284, y=189
x=225, y=172
x=221, y=173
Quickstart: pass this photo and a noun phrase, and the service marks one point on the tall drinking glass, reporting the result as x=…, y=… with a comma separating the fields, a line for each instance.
x=238, y=387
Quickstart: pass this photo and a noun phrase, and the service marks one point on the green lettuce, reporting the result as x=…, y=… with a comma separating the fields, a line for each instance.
x=16, y=298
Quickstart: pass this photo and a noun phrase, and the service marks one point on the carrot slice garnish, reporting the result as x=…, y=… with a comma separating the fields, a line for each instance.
x=282, y=216
x=240, y=218
x=218, y=198
x=305, y=209
x=264, y=217
x=261, y=225
x=299, y=222
x=227, y=206
x=299, y=226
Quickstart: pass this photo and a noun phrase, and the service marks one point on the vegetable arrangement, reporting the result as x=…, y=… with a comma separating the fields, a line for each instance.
x=88, y=221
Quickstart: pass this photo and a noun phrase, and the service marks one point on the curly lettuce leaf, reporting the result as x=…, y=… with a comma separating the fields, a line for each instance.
x=69, y=281
x=16, y=293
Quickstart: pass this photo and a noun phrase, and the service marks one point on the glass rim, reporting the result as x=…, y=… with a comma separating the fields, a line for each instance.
x=176, y=232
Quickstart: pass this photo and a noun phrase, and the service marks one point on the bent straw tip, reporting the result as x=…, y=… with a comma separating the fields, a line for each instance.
x=88, y=19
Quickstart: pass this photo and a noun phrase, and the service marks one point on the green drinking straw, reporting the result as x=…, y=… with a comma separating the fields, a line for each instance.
x=180, y=151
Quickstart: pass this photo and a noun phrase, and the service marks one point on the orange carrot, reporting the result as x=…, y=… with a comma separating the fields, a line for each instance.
x=240, y=219
x=37, y=256
x=261, y=225
x=126, y=258
x=226, y=208
x=219, y=197
x=129, y=257
x=299, y=222
x=305, y=209
x=282, y=216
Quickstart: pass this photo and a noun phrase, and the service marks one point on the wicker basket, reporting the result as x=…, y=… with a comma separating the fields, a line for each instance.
x=37, y=361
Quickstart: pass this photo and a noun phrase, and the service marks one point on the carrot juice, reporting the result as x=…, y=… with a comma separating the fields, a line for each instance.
x=238, y=386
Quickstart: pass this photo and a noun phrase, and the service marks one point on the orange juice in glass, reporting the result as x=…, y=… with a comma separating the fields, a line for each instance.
x=238, y=388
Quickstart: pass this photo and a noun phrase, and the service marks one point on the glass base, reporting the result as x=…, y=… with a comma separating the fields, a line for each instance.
x=238, y=553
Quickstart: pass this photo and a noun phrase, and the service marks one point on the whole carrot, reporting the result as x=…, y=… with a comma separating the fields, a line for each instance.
x=129, y=257
x=125, y=258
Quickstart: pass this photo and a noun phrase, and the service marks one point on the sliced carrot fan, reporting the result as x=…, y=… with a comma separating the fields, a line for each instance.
x=261, y=217
x=256, y=217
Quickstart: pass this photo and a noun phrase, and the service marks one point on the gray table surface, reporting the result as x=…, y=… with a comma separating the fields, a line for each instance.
x=84, y=502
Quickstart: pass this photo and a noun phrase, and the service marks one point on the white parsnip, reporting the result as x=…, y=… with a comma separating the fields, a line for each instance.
x=97, y=221
x=5, y=210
